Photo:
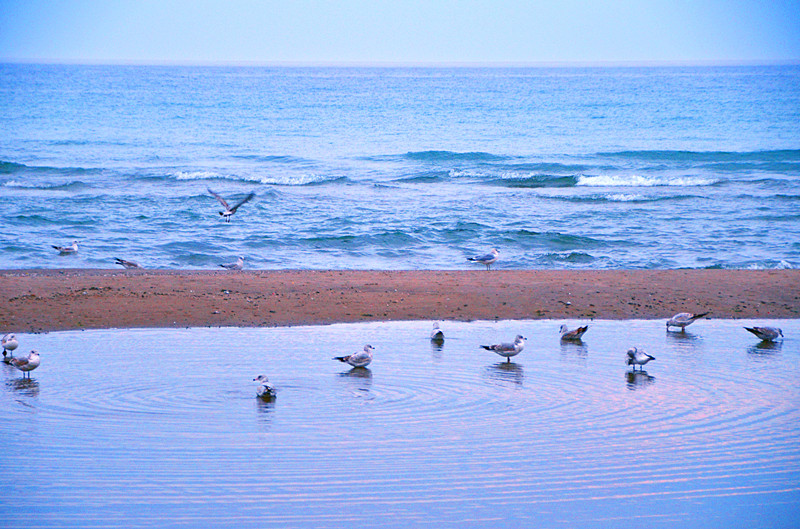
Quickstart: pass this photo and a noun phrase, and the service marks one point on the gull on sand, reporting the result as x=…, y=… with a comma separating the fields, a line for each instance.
x=684, y=319
x=436, y=333
x=768, y=334
x=27, y=364
x=264, y=390
x=508, y=349
x=10, y=343
x=238, y=265
x=574, y=334
x=67, y=250
x=359, y=359
x=637, y=357
x=230, y=210
x=487, y=259
x=127, y=264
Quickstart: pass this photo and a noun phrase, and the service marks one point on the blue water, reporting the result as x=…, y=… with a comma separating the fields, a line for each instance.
x=401, y=168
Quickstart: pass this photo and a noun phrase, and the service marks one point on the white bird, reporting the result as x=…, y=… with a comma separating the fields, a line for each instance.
x=264, y=390
x=127, y=264
x=487, y=259
x=238, y=265
x=27, y=364
x=436, y=333
x=359, y=359
x=638, y=358
x=574, y=335
x=768, y=334
x=683, y=319
x=508, y=349
x=229, y=211
x=67, y=250
x=9, y=343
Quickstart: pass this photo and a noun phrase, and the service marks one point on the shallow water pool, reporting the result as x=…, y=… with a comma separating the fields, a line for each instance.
x=161, y=428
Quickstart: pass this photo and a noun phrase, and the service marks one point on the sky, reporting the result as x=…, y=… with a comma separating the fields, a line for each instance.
x=400, y=31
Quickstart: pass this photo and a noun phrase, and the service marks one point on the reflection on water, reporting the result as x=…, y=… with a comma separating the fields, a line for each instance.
x=552, y=439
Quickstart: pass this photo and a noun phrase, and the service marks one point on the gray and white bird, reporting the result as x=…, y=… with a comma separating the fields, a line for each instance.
x=508, y=350
x=230, y=210
x=637, y=357
x=126, y=263
x=359, y=359
x=264, y=390
x=27, y=364
x=767, y=334
x=9, y=343
x=487, y=259
x=238, y=265
x=436, y=333
x=684, y=319
x=67, y=250
x=574, y=334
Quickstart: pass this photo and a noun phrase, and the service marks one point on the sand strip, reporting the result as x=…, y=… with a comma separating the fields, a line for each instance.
x=50, y=300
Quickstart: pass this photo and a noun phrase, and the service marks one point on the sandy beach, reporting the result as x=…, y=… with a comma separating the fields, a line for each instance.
x=52, y=300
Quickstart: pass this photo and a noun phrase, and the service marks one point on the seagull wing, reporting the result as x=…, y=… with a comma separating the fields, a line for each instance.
x=221, y=200
x=242, y=201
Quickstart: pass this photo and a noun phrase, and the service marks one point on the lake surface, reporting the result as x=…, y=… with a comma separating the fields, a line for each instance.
x=401, y=168
x=161, y=428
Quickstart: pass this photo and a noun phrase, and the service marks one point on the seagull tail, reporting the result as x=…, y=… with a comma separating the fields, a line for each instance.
x=698, y=316
x=752, y=330
x=487, y=347
x=341, y=358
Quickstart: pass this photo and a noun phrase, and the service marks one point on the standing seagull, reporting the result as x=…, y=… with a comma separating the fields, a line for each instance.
x=238, y=265
x=27, y=364
x=264, y=390
x=359, y=359
x=683, y=319
x=574, y=335
x=9, y=344
x=638, y=358
x=229, y=211
x=127, y=264
x=767, y=334
x=487, y=259
x=508, y=349
x=67, y=250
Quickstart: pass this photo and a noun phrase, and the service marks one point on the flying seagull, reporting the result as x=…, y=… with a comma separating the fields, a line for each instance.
x=508, y=349
x=574, y=334
x=768, y=334
x=127, y=264
x=487, y=259
x=229, y=211
x=67, y=250
x=359, y=359
x=638, y=358
x=684, y=318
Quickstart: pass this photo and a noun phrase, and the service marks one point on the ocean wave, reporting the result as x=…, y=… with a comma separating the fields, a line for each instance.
x=567, y=257
x=534, y=181
x=645, y=181
x=781, y=155
x=68, y=186
x=7, y=167
x=11, y=167
x=284, y=180
x=448, y=156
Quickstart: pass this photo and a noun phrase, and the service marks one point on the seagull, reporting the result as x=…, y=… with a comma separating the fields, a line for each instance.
x=768, y=334
x=127, y=264
x=10, y=343
x=637, y=357
x=487, y=259
x=436, y=333
x=27, y=364
x=264, y=390
x=683, y=319
x=508, y=349
x=574, y=335
x=359, y=359
x=238, y=265
x=229, y=211
x=67, y=250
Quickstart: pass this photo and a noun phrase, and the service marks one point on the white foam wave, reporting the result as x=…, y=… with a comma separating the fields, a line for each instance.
x=643, y=181
x=197, y=175
x=625, y=197
x=281, y=179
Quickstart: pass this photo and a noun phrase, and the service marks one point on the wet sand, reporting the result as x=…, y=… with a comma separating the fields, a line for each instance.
x=52, y=300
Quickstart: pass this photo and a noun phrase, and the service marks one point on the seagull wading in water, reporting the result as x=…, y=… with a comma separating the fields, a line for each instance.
x=768, y=334
x=574, y=334
x=9, y=344
x=67, y=250
x=359, y=359
x=684, y=319
x=636, y=357
x=27, y=364
x=229, y=211
x=487, y=259
x=436, y=333
x=264, y=390
x=508, y=349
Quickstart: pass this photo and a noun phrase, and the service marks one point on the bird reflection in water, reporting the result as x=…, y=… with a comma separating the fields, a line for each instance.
x=506, y=372
x=28, y=387
x=765, y=349
x=360, y=379
x=638, y=379
x=574, y=348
